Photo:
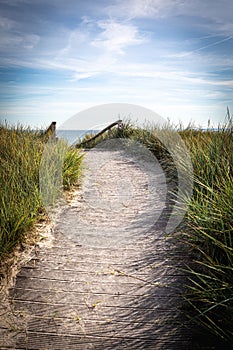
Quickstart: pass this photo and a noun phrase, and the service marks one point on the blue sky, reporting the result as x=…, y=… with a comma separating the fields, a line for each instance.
x=59, y=57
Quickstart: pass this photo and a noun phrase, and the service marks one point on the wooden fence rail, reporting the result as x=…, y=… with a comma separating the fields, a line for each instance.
x=82, y=143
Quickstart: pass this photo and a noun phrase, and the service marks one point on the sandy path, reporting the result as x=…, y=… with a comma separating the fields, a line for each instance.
x=110, y=278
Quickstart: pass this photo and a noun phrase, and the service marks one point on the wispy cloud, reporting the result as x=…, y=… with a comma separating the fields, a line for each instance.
x=143, y=9
x=6, y=23
x=170, y=8
x=13, y=39
x=215, y=43
x=169, y=53
x=116, y=37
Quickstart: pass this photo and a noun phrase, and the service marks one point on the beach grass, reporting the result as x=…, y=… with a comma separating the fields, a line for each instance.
x=21, y=205
x=209, y=233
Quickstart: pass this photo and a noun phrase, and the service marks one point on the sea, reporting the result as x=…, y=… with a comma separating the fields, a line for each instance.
x=74, y=136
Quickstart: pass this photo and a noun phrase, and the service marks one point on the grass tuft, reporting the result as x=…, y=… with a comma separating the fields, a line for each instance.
x=209, y=231
x=20, y=201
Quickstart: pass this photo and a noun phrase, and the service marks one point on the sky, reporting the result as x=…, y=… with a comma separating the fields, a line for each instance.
x=58, y=58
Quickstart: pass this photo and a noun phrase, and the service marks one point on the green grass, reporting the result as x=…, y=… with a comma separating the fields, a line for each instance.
x=209, y=232
x=21, y=204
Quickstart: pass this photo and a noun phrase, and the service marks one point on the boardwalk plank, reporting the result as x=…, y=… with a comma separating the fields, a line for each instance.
x=91, y=291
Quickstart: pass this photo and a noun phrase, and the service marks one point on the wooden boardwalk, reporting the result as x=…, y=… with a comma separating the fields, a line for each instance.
x=111, y=279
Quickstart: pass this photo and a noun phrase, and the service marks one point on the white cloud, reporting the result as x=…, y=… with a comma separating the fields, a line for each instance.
x=160, y=8
x=6, y=23
x=116, y=37
x=75, y=38
x=15, y=2
x=12, y=38
x=95, y=49
x=142, y=9
x=18, y=42
x=217, y=14
x=29, y=41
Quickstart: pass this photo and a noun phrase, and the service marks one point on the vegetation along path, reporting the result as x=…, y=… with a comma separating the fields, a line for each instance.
x=111, y=278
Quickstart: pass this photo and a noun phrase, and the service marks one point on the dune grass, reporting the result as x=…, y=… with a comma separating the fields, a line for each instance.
x=21, y=204
x=209, y=233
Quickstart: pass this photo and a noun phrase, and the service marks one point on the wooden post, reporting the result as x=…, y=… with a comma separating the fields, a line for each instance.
x=51, y=131
x=119, y=127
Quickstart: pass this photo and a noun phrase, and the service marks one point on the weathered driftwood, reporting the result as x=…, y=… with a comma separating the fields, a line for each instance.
x=83, y=143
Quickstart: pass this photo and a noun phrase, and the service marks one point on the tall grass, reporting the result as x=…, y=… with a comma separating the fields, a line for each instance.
x=210, y=233
x=21, y=204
